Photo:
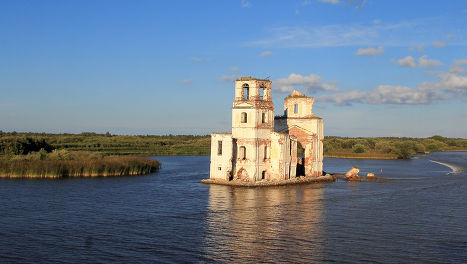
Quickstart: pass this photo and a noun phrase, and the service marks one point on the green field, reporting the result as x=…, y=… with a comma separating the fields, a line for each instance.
x=13, y=143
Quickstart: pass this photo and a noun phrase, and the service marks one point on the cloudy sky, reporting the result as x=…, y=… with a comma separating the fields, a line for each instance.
x=375, y=68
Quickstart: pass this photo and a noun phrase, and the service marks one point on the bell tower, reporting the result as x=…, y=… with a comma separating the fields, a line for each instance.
x=252, y=125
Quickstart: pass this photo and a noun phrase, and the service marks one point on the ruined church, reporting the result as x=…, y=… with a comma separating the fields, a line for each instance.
x=262, y=147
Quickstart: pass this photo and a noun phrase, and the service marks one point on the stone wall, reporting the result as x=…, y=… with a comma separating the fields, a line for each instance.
x=221, y=164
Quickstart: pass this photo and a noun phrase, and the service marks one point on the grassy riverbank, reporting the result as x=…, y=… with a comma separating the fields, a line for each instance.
x=146, y=145
x=63, y=163
x=142, y=145
x=389, y=147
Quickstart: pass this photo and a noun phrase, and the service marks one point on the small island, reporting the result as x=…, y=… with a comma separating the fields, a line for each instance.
x=30, y=158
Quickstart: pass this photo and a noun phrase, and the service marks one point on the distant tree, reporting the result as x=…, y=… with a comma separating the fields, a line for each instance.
x=358, y=148
x=420, y=148
x=371, y=143
x=403, y=150
x=439, y=138
x=383, y=147
x=107, y=134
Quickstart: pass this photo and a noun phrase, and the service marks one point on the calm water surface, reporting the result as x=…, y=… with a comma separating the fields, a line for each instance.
x=419, y=217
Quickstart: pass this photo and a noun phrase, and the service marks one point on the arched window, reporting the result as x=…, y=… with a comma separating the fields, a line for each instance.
x=265, y=152
x=295, y=110
x=219, y=147
x=246, y=91
x=244, y=118
x=261, y=93
x=242, y=152
x=263, y=117
x=263, y=175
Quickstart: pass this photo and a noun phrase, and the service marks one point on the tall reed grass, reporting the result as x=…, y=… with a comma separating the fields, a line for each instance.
x=77, y=164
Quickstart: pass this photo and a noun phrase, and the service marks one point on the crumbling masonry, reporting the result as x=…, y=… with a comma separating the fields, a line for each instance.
x=262, y=147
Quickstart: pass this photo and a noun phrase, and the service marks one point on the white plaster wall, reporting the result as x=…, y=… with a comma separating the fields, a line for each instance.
x=283, y=156
x=305, y=106
x=224, y=161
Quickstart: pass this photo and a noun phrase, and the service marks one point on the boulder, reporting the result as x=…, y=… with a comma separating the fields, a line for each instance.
x=352, y=174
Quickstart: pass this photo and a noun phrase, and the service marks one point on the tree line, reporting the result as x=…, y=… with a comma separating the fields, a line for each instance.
x=12, y=143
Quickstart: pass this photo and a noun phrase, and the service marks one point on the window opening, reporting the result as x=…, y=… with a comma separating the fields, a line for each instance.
x=263, y=118
x=295, y=109
x=263, y=175
x=261, y=93
x=265, y=152
x=246, y=91
x=219, y=147
x=244, y=118
x=242, y=152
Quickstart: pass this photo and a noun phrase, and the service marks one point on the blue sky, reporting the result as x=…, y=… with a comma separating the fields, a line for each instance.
x=375, y=68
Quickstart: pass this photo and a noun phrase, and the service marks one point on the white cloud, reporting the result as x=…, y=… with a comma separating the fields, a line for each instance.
x=439, y=44
x=245, y=4
x=266, y=53
x=448, y=85
x=420, y=47
x=454, y=83
x=187, y=80
x=334, y=2
x=386, y=94
x=448, y=36
x=228, y=78
x=406, y=62
x=197, y=59
x=234, y=69
x=308, y=84
x=359, y=34
x=456, y=66
x=377, y=21
x=360, y=5
x=370, y=51
x=426, y=63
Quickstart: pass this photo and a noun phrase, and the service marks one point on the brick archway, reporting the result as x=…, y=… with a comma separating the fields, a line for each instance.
x=305, y=139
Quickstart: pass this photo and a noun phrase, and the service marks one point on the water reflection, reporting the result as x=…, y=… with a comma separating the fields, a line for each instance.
x=265, y=224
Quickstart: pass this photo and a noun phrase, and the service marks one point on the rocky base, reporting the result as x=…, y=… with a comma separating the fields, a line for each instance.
x=298, y=180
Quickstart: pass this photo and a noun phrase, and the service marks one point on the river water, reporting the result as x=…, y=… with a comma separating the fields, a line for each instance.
x=418, y=217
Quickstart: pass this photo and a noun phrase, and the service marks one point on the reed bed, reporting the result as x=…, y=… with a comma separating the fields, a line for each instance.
x=84, y=166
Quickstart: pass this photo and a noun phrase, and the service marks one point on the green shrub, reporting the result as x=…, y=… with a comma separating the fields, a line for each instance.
x=358, y=148
x=60, y=154
x=383, y=147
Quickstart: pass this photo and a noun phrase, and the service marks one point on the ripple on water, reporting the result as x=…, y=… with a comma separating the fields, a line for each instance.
x=170, y=217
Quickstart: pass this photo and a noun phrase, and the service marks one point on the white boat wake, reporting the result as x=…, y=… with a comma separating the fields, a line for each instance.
x=454, y=169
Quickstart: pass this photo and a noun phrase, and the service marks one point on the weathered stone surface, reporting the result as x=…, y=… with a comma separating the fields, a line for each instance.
x=296, y=180
x=352, y=174
x=256, y=151
x=296, y=93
